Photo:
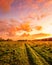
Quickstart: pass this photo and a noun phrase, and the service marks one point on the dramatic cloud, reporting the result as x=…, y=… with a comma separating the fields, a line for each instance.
x=13, y=26
x=25, y=18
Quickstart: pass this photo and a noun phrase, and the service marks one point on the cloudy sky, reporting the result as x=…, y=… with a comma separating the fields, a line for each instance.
x=25, y=19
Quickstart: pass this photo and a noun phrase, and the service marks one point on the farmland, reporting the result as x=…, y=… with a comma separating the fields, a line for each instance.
x=25, y=52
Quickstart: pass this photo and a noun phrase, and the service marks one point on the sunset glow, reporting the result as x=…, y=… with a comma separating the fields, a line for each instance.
x=25, y=19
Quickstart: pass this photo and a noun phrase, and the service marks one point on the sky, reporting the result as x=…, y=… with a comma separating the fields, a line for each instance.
x=25, y=19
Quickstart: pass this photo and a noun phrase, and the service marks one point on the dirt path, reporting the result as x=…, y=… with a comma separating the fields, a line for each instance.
x=34, y=57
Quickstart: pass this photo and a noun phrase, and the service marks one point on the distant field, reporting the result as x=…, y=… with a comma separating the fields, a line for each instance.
x=25, y=52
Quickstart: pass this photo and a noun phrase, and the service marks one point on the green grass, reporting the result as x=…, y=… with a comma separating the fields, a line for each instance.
x=45, y=53
x=25, y=53
x=13, y=53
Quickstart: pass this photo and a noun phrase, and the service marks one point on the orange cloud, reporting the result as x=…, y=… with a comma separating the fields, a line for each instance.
x=8, y=27
x=35, y=6
x=3, y=26
x=31, y=15
x=45, y=15
x=33, y=37
x=18, y=28
x=14, y=22
x=9, y=31
x=41, y=36
x=48, y=3
x=40, y=1
x=11, y=27
x=6, y=4
x=12, y=31
x=38, y=28
x=25, y=35
x=25, y=27
x=29, y=1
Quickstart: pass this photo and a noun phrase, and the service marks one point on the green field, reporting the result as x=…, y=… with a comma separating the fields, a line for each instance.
x=25, y=52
